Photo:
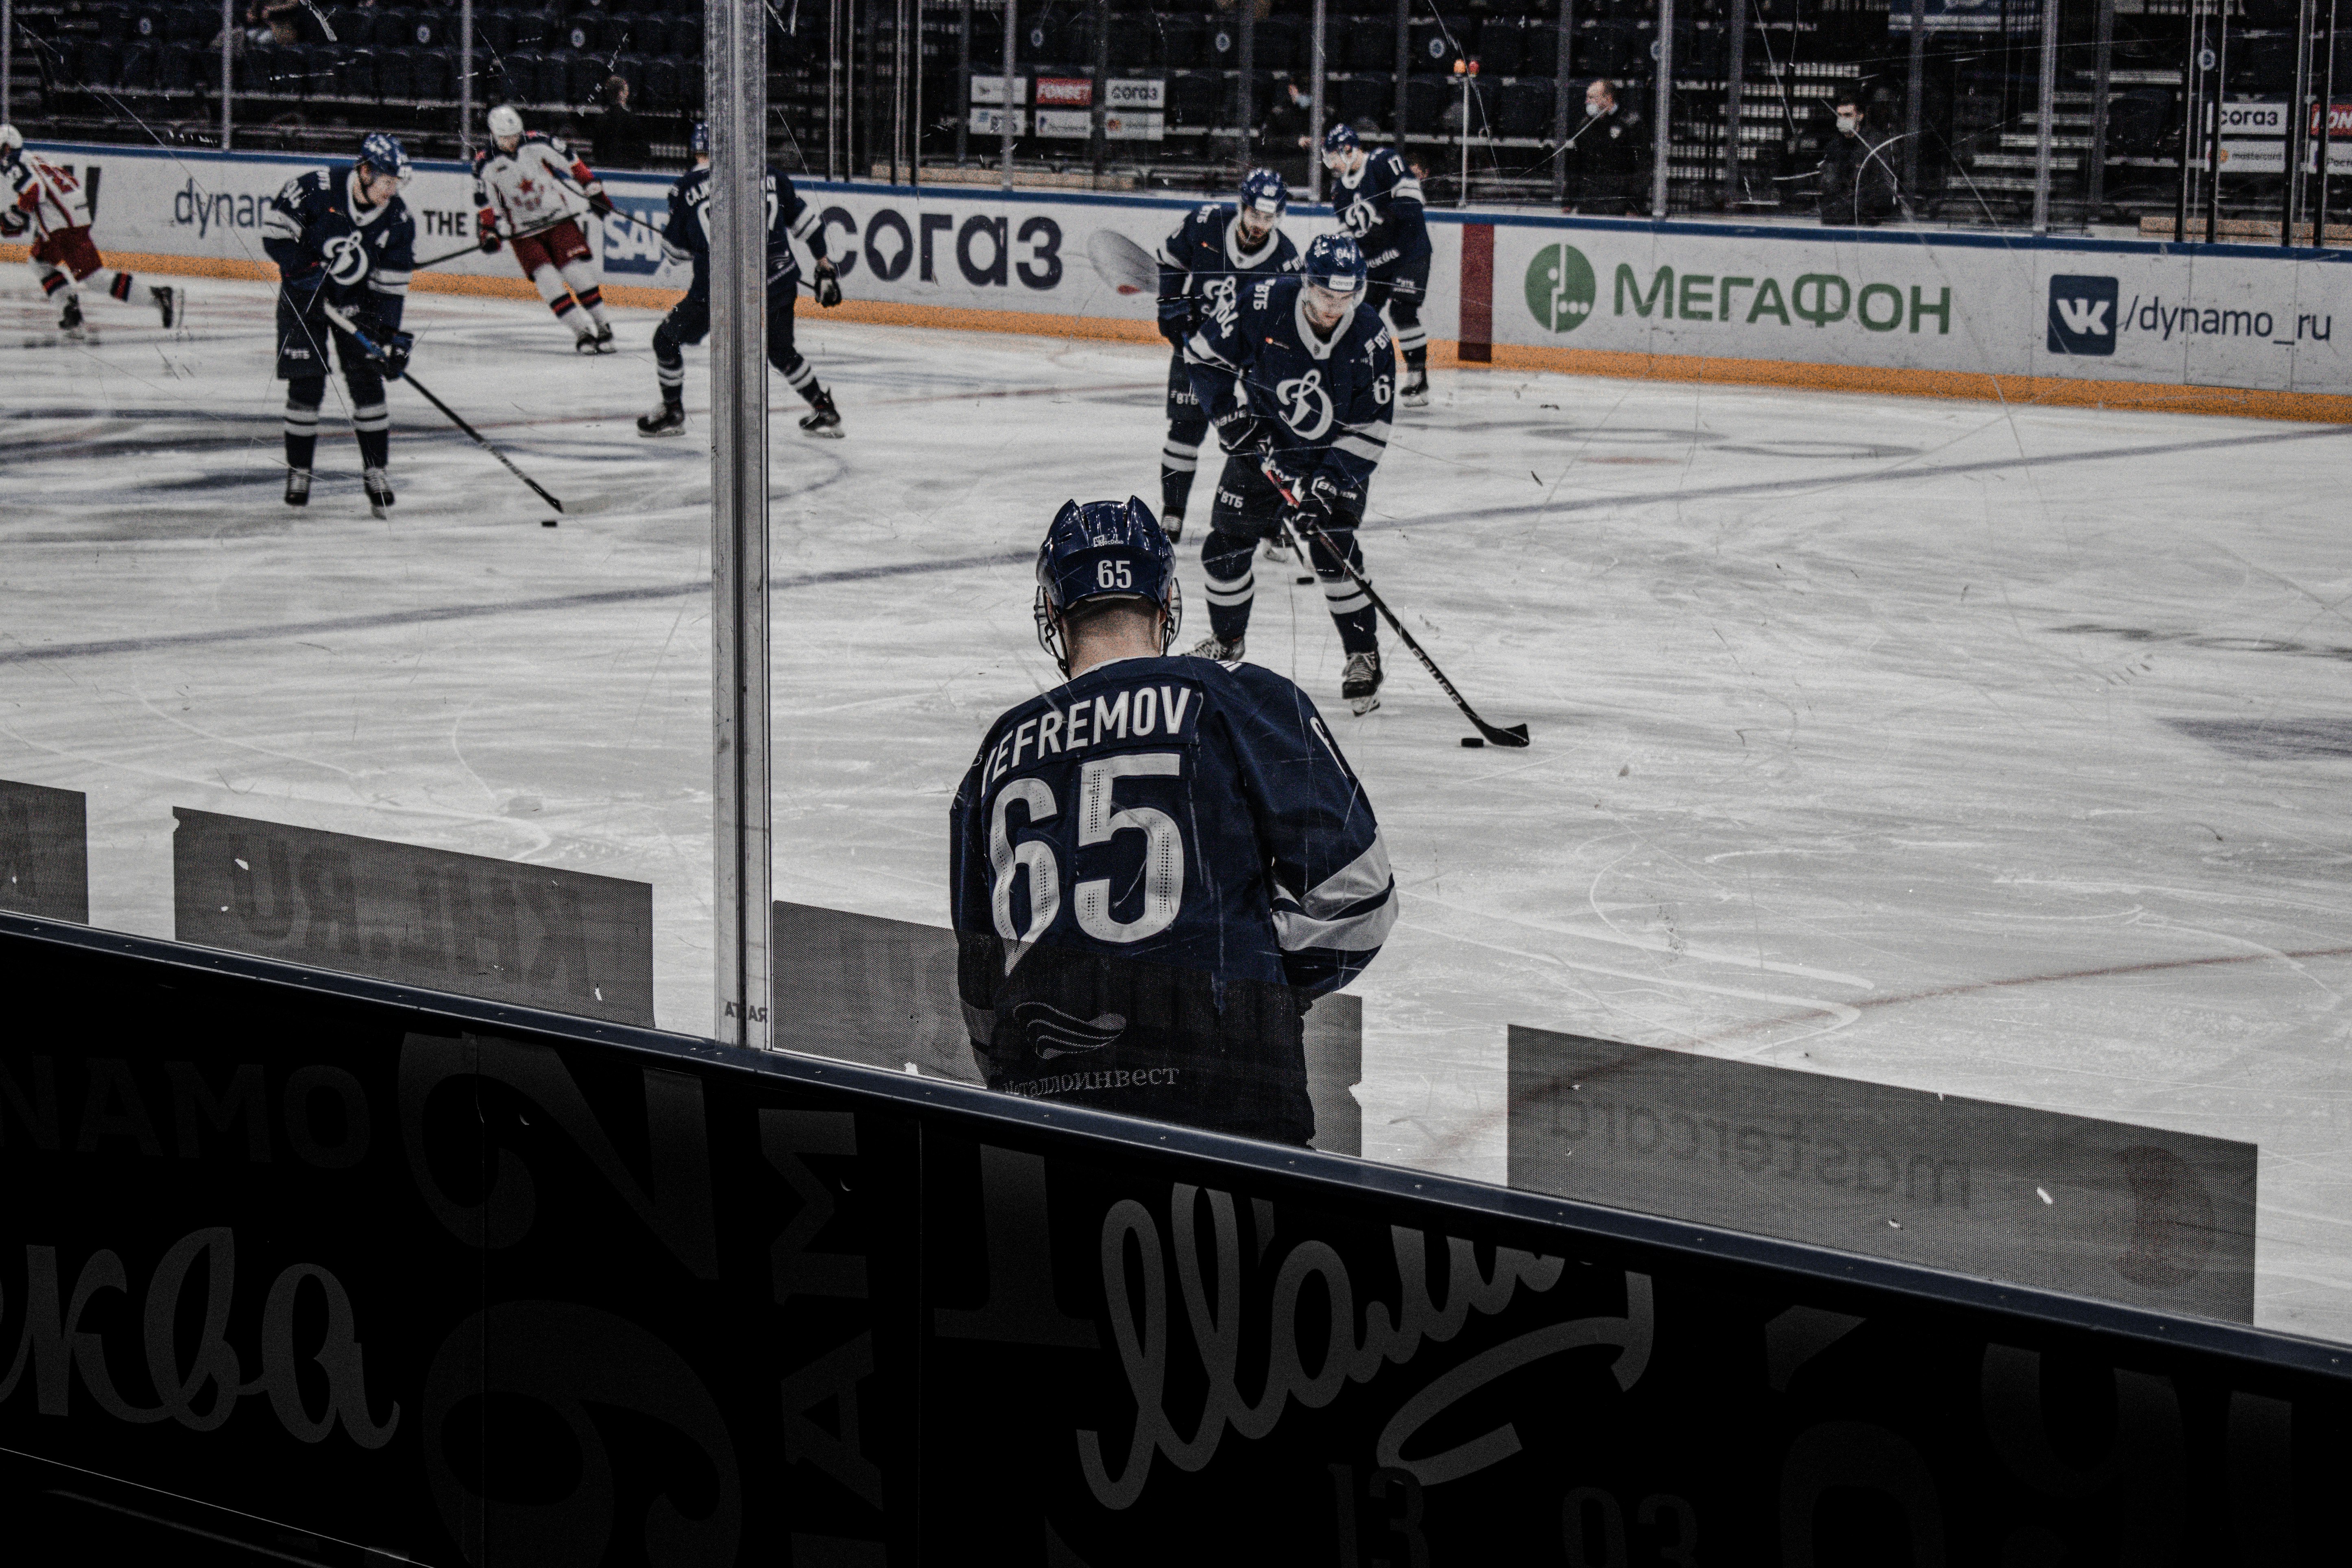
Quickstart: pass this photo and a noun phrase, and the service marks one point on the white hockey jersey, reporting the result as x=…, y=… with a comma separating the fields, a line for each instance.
x=49, y=193
x=534, y=187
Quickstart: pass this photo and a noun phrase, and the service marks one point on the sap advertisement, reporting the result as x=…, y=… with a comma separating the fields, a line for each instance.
x=2221, y=316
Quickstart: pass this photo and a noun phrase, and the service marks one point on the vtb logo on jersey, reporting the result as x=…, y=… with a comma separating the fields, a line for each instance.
x=1306, y=407
x=347, y=260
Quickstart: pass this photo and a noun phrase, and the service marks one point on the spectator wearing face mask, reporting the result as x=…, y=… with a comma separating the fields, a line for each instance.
x=1605, y=157
x=1857, y=171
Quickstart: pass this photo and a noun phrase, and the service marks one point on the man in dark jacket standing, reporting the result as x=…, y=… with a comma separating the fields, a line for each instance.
x=1604, y=164
x=1857, y=174
x=621, y=139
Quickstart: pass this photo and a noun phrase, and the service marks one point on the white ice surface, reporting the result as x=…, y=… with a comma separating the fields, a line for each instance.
x=1819, y=779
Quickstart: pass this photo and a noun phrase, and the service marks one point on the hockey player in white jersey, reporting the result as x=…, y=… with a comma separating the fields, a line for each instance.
x=48, y=198
x=531, y=188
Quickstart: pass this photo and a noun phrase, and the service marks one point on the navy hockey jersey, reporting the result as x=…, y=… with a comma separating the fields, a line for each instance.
x=1329, y=396
x=320, y=237
x=788, y=215
x=1203, y=261
x=1151, y=864
x=1381, y=205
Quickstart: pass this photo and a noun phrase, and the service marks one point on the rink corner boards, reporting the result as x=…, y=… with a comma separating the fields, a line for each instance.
x=2022, y=391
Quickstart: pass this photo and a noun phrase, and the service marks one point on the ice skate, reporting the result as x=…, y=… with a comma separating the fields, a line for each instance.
x=1415, y=394
x=585, y=344
x=822, y=418
x=298, y=486
x=169, y=304
x=1173, y=525
x=1359, y=681
x=69, y=322
x=1216, y=648
x=667, y=419
x=603, y=342
x=379, y=492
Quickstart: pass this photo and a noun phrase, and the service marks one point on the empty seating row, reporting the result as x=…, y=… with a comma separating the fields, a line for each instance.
x=660, y=83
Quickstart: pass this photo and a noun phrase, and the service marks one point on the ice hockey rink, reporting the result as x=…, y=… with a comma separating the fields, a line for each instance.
x=1988, y=749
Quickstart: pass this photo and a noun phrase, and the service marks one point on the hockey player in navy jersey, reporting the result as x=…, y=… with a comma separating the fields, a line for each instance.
x=1156, y=863
x=688, y=233
x=343, y=237
x=1211, y=254
x=1319, y=374
x=1378, y=202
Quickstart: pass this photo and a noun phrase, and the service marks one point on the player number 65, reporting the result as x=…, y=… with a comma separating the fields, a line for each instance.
x=1113, y=575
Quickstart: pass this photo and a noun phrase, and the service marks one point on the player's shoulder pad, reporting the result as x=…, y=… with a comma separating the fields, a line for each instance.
x=1269, y=696
x=1390, y=161
x=542, y=138
x=1208, y=212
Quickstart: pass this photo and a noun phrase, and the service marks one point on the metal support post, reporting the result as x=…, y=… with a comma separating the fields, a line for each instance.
x=2103, y=62
x=2192, y=91
x=228, y=68
x=7, y=56
x=963, y=87
x=2213, y=143
x=2048, y=103
x=2298, y=126
x=1662, y=137
x=1006, y=97
x=1462, y=195
x=1246, y=86
x=2326, y=135
x=1562, y=79
x=1915, y=93
x=466, y=79
x=898, y=87
x=1735, y=91
x=1101, y=118
x=1315, y=110
x=833, y=17
x=915, y=88
x=1403, y=69
x=736, y=68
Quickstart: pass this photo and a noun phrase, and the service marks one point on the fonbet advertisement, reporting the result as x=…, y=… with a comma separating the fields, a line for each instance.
x=2113, y=312
x=1956, y=304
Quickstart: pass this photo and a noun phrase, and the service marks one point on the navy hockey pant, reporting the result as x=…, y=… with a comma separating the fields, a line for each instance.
x=303, y=334
x=1187, y=429
x=688, y=321
x=1401, y=286
x=1249, y=509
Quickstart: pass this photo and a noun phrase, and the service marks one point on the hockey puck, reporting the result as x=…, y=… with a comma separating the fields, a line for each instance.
x=1473, y=740
x=550, y=522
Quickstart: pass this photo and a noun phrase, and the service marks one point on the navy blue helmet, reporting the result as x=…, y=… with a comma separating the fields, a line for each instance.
x=700, y=141
x=1102, y=550
x=1340, y=138
x=1337, y=263
x=1264, y=191
x=385, y=155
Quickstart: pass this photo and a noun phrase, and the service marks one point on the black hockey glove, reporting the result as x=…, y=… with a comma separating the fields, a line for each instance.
x=598, y=202
x=828, y=283
x=392, y=351
x=1177, y=317
x=1245, y=433
x=486, y=229
x=14, y=221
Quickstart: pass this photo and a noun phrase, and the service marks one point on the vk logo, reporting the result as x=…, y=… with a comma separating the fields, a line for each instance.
x=2081, y=315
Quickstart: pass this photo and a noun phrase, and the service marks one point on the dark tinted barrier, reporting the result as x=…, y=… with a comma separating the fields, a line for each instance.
x=2067, y=1203
x=44, y=852
x=336, y=1273
x=883, y=992
x=535, y=935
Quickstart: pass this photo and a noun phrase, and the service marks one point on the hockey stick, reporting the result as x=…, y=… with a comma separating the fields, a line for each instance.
x=1501, y=735
x=366, y=344
x=626, y=215
x=461, y=251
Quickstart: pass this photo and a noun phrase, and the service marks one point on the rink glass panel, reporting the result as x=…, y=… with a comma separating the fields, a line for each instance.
x=463, y=746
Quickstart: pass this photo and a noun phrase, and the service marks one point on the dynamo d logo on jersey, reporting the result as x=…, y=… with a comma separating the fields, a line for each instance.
x=1560, y=288
x=1306, y=407
x=2082, y=314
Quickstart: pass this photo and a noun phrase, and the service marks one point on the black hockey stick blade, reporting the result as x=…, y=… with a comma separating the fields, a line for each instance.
x=1495, y=734
x=344, y=321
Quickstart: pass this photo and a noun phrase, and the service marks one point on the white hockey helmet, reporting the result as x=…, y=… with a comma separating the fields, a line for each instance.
x=505, y=120
x=11, y=142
